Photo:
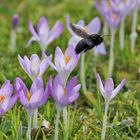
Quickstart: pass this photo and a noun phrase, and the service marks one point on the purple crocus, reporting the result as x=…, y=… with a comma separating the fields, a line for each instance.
x=65, y=96
x=33, y=98
x=7, y=100
x=108, y=91
x=93, y=27
x=34, y=67
x=64, y=63
x=15, y=19
x=111, y=15
x=124, y=6
x=42, y=34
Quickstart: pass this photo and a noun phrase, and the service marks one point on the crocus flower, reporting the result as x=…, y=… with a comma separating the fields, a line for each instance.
x=93, y=27
x=64, y=63
x=111, y=15
x=65, y=96
x=43, y=35
x=34, y=67
x=108, y=91
x=7, y=100
x=15, y=19
x=33, y=98
x=124, y=6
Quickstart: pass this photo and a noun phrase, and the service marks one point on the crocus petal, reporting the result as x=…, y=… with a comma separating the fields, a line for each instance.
x=74, y=40
x=48, y=60
x=32, y=30
x=59, y=59
x=12, y=101
x=44, y=65
x=118, y=88
x=37, y=84
x=6, y=89
x=68, y=26
x=24, y=65
x=27, y=64
x=81, y=23
x=30, y=41
x=109, y=85
x=23, y=99
x=100, y=49
x=34, y=67
x=71, y=84
x=5, y=104
x=55, y=34
x=72, y=63
x=100, y=84
x=43, y=28
x=94, y=26
x=36, y=97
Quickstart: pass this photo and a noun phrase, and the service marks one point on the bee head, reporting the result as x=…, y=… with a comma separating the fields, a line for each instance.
x=97, y=39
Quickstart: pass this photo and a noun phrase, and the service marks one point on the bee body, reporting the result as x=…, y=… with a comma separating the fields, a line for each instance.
x=88, y=42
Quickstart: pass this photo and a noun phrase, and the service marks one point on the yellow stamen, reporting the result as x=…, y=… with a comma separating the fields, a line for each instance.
x=67, y=58
x=28, y=95
x=2, y=98
x=65, y=91
x=115, y=16
x=125, y=2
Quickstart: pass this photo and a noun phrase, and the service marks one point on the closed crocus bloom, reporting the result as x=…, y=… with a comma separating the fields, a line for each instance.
x=7, y=100
x=64, y=63
x=34, y=67
x=15, y=19
x=43, y=35
x=65, y=96
x=33, y=98
x=108, y=91
x=93, y=27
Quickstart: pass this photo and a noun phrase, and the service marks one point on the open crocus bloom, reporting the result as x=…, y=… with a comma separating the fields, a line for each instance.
x=43, y=35
x=7, y=100
x=33, y=98
x=34, y=67
x=113, y=18
x=64, y=63
x=108, y=91
x=124, y=6
x=65, y=96
x=93, y=27
x=112, y=15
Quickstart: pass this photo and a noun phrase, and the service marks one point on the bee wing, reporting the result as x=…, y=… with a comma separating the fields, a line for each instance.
x=78, y=30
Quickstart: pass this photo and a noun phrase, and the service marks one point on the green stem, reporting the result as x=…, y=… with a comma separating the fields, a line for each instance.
x=105, y=30
x=56, y=123
x=122, y=34
x=104, y=121
x=13, y=41
x=133, y=35
x=30, y=115
x=35, y=125
x=65, y=122
x=83, y=73
x=111, y=57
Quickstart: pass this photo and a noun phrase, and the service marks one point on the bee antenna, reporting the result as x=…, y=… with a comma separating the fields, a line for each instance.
x=105, y=35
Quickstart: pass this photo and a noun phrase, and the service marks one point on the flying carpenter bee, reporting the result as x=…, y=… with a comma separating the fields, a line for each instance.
x=88, y=42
